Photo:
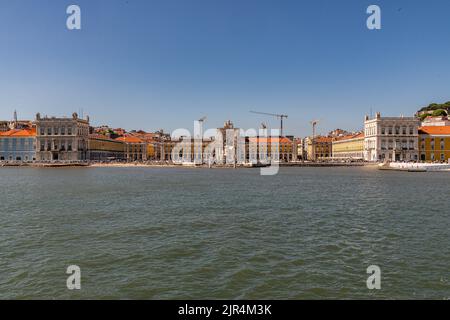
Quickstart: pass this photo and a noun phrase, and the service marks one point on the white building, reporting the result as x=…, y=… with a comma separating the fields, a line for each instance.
x=61, y=139
x=391, y=138
x=436, y=122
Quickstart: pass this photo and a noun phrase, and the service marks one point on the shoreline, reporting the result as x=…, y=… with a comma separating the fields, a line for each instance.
x=204, y=166
x=172, y=165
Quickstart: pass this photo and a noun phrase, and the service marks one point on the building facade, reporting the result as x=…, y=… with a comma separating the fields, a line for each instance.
x=18, y=145
x=391, y=139
x=4, y=126
x=299, y=149
x=319, y=148
x=434, y=144
x=348, y=147
x=436, y=122
x=261, y=149
x=102, y=148
x=61, y=139
x=135, y=148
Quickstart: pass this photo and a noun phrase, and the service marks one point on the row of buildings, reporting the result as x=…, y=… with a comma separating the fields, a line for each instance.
x=51, y=139
x=72, y=139
x=386, y=139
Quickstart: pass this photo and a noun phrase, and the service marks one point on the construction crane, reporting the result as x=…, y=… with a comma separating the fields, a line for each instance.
x=314, y=124
x=278, y=116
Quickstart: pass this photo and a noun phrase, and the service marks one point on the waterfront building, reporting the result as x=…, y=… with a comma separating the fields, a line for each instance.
x=135, y=148
x=434, y=143
x=103, y=148
x=350, y=146
x=318, y=148
x=61, y=139
x=260, y=149
x=298, y=149
x=18, y=145
x=391, y=138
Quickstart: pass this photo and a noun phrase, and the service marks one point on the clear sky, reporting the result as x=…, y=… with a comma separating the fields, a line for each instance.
x=147, y=64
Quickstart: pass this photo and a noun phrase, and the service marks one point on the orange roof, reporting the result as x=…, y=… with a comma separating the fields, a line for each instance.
x=351, y=136
x=269, y=139
x=323, y=139
x=19, y=133
x=435, y=130
x=130, y=139
x=99, y=137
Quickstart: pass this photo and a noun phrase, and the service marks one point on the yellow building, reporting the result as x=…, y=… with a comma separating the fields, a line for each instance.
x=135, y=148
x=434, y=143
x=319, y=149
x=260, y=149
x=349, y=147
x=101, y=148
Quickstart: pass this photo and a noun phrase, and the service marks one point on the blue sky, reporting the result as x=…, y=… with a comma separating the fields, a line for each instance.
x=150, y=64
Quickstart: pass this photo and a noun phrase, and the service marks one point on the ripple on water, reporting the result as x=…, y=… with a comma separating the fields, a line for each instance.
x=306, y=233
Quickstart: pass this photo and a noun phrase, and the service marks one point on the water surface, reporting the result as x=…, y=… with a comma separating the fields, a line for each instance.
x=149, y=233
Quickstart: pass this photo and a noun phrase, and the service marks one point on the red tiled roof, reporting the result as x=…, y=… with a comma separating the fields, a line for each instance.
x=435, y=130
x=130, y=139
x=323, y=139
x=19, y=133
x=100, y=137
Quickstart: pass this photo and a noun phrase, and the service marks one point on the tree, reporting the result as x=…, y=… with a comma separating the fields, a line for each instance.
x=439, y=113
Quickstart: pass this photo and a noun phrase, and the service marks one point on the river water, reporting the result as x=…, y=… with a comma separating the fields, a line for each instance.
x=169, y=233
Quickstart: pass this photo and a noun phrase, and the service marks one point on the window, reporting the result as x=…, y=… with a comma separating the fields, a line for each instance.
x=63, y=131
x=383, y=130
x=397, y=130
x=49, y=131
x=442, y=157
x=404, y=145
x=42, y=131
x=390, y=130
x=404, y=130
x=69, y=131
x=411, y=130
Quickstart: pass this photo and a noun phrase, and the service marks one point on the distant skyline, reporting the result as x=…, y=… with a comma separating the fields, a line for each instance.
x=140, y=64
